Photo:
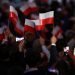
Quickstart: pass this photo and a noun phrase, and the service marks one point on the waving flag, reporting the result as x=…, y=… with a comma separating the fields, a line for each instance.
x=29, y=26
x=33, y=6
x=38, y=25
x=47, y=18
x=29, y=8
x=13, y=17
x=26, y=10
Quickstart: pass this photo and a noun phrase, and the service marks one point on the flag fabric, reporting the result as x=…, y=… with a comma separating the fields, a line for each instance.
x=29, y=26
x=38, y=25
x=57, y=31
x=25, y=9
x=33, y=7
x=13, y=17
x=47, y=18
x=28, y=8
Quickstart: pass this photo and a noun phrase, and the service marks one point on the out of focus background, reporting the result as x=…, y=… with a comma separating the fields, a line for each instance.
x=28, y=50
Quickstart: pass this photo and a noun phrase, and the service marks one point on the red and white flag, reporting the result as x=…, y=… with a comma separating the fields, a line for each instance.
x=29, y=8
x=25, y=9
x=57, y=31
x=29, y=26
x=33, y=6
x=38, y=25
x=47, y=18
x=13, y=17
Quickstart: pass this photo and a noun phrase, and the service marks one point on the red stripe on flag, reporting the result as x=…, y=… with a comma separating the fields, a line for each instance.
x=33, y=6
x=13, y=17
x=27, y=11
x=34, y=9
x=47, y=18
x=47, y=21
x=39, y=27
x=28, y=28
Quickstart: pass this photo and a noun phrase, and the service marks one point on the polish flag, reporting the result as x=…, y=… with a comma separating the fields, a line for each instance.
x=2, y=33
x=29, y=26
x=38, y=25
x=57, y=31
x=26, y=10
x=13, y=17
x=33, y=6
x=47, y=18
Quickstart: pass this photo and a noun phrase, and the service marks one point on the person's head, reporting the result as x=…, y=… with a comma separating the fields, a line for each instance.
x=37, y=46
x=29, y=36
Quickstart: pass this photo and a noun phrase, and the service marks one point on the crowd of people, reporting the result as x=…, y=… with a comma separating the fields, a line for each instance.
x=42, y=52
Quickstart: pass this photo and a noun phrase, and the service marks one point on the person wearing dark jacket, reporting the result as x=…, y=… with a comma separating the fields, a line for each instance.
x=53, y=51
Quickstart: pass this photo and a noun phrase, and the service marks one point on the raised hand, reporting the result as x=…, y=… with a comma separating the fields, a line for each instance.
x=53, y=40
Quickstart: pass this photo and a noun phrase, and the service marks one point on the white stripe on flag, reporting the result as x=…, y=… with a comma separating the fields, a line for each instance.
x=29, y=23
x=12, y=9
x=37, y=22
x=46, y=15
x=38, y=25
x=26, y=10
x=24, y=7
x=15, y=20
x=47, y=18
